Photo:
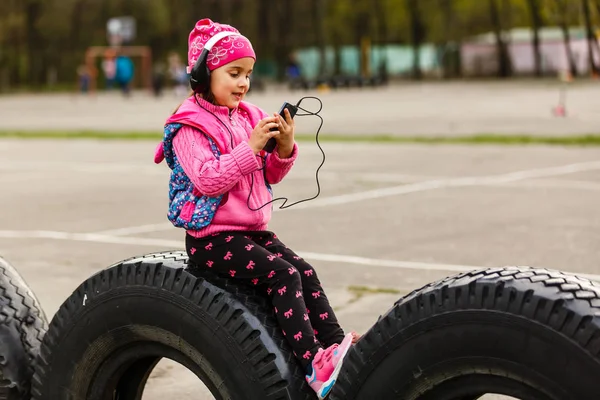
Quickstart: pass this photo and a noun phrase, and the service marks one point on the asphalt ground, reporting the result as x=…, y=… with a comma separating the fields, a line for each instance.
x=399, y=109
x=389, y=219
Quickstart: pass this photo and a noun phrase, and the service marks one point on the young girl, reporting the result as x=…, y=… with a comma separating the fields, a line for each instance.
x=214, y=144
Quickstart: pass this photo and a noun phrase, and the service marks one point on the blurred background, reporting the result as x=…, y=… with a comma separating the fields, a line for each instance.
x=459, y=134
x=101, y=44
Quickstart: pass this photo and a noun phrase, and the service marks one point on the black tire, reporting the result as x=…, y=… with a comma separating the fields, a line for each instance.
x=110, y=333
x=533, y=334
x=22, y=327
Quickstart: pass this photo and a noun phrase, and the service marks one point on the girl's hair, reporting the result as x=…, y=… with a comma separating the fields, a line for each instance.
x=206, y=95
x=179, y=105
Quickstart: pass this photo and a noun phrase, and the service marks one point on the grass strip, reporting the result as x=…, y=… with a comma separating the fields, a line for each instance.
x=484, y=138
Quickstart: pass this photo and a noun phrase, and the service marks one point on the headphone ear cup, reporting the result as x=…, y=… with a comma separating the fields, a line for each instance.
x=194, y=79
x=198, y=76
x=204, y=77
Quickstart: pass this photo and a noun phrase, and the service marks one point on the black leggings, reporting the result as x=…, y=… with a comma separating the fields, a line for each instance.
x=260, y=258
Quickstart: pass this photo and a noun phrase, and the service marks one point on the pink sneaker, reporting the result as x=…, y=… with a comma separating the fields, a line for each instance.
x=326, y=366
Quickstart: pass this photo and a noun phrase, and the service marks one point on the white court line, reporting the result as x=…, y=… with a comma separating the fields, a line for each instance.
x=91, y=237
x=92, y=167
x=133, y=230
x=178, y=244
x=455, y=182
x=354, y=176
x=99, y=167
x=553, y=184
x=402, y=189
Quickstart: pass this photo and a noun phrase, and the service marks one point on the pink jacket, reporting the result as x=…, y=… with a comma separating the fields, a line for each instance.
x=231, y=174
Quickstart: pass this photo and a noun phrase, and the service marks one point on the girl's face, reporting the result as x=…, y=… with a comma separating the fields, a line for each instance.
x=230, y=82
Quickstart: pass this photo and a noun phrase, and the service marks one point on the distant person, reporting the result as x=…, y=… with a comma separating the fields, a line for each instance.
x=214, y=144
x=84, y=78
x=178, y=74
x=124, y=74
x=158, y=79
x=109, y=67
x=292, y=69
x=293, y=73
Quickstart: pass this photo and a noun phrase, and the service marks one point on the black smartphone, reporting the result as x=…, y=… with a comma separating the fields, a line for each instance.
x=270, y=146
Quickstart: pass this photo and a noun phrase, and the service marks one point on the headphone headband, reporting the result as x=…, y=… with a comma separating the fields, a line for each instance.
x=213, y=40
x=200, y=74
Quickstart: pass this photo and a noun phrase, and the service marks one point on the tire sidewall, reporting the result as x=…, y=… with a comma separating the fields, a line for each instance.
x=163, y=317
x=430, y=352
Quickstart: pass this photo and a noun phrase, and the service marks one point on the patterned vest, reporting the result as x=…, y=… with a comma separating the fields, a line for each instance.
x=188, y=208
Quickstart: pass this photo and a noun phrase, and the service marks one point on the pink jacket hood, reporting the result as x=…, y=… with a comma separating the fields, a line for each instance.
x=188, y=114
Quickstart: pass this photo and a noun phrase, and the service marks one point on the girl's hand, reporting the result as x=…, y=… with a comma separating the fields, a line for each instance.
x=285, y=139
x=262, y=133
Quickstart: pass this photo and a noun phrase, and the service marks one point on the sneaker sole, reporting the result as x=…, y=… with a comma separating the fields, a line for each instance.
x=328, y=385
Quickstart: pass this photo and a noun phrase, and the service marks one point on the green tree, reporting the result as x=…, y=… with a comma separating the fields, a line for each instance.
x=318, y=9
x=591, y=37
x=417, y=34
x=536, y=24
x=560, y=10
x=379, y=12
x=504, y=62
x=283, y=44
x=45, y=40
x=450, y=59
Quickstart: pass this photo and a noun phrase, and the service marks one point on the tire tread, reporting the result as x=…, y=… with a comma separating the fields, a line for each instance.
x=564, y=302
x=22, y=314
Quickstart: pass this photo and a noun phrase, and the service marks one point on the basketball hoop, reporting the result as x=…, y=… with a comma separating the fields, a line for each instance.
x=120, y=30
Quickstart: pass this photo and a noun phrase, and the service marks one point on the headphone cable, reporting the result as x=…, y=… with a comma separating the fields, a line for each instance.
x=285, y=199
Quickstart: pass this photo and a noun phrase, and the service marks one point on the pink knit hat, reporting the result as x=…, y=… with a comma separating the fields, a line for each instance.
x=224, y=51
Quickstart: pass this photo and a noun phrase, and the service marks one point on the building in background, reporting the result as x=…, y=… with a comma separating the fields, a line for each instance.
x=478, y=54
